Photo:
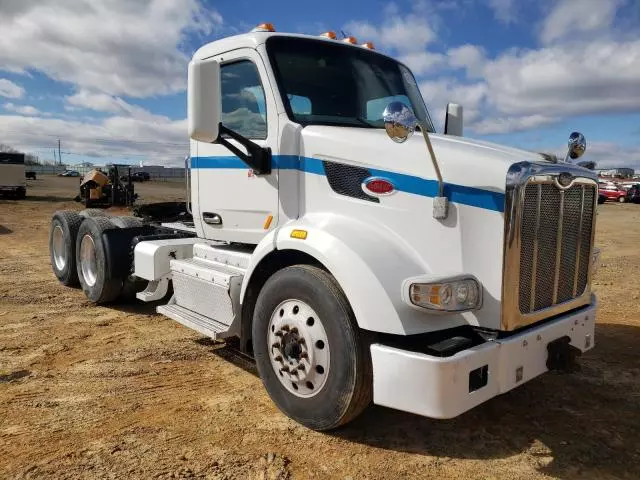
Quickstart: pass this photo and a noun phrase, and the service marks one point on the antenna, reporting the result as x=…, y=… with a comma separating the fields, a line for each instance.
x=344, y=35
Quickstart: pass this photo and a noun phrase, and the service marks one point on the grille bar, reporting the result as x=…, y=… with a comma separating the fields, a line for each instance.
x=556, y=276
x=535, y=250
x=577, y=268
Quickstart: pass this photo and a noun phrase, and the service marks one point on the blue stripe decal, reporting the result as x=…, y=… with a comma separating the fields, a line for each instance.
x=475, y=197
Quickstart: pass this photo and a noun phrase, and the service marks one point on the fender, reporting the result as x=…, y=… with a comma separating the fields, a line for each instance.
x=370, y=264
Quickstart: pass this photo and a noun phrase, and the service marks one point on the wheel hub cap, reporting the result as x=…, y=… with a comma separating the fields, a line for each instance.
x=59, y=250
x=298, y=348
x=88, y=263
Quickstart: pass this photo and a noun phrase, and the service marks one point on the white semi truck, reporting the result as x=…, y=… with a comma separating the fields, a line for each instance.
x=358, y=255
x=13, y=182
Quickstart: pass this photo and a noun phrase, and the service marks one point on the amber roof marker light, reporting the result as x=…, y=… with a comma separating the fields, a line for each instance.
x=330, y=35
x=264, y=27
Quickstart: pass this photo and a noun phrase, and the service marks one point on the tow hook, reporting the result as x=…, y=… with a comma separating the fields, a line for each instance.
x=562, y=356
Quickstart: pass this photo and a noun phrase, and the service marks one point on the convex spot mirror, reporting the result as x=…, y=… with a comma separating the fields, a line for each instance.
x=399, y=121
x=577, y=145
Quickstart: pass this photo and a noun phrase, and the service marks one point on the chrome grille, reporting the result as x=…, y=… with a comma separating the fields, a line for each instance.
x=555, y=244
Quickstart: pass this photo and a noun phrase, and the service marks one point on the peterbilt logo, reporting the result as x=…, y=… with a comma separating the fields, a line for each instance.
x=565, y=179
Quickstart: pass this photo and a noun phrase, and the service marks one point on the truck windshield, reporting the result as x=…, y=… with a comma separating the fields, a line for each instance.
x=328, y=83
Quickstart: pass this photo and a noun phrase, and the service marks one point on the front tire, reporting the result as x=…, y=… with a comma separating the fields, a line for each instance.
x=95, y=278
x=303, y=310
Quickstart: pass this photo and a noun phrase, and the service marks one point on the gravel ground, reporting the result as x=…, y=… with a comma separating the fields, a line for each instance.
x=121, y=392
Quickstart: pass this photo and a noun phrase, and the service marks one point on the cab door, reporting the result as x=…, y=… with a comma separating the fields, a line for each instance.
x=235, y=204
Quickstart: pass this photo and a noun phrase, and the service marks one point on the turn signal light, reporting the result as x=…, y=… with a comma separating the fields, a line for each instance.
x=264, y=27
x=369, y=45
x=457, y=295
x=351, y=40
x=331, y=35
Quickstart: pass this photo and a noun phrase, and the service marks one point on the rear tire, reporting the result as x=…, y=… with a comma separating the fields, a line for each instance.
x=131, y=284
x=339, y=366
x=126, y=222
x=62, y=246
x=93, y=212
x=93, y=271
x=622, y=199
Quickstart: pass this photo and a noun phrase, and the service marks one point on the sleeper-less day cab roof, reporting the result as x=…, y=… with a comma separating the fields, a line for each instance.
x=255, y=39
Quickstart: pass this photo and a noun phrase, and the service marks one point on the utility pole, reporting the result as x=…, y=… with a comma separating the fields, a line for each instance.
x=59, y=155
x=55, y=160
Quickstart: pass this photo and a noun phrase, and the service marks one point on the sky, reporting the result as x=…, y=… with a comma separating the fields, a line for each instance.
x=108, y=78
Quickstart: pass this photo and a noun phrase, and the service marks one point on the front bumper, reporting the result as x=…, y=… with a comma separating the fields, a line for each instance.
x=440, y=387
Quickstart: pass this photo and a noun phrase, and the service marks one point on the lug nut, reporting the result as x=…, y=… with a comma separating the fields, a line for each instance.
x=278, y=333
x=294, y=330
x=304, y=355
x=276, y=345
x=278, y=358
x=301, y=367
x=285, y=328
x=301, y=341
x=285, y=369
x=294, y=372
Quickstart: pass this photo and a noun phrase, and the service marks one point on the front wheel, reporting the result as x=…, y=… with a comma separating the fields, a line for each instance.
x=309, y=351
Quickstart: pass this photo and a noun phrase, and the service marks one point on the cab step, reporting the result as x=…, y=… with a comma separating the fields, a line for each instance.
x=190, y=319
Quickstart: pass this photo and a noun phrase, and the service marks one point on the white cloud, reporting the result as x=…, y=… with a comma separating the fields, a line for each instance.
x=163, y=141
x=504, y=10
x=440, y=92
x=572, y=79
x=22, y=109
x=10, y=90
x=470, y=57
x=570, y=17
x=102, y=102
x=421, y=63
x=410, y=33
x=118, y=47
x=511, y=124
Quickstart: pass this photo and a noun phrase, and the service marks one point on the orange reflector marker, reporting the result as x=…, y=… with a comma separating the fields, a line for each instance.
x=267, y=222
x=264, y=27
x=299, y=234
x=369, y=45
x=351, y=40
x=331, y=35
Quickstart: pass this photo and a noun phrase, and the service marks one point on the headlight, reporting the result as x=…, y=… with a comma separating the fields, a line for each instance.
x=457, y=295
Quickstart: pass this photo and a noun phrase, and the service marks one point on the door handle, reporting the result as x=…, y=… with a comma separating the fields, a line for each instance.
x=211, y=218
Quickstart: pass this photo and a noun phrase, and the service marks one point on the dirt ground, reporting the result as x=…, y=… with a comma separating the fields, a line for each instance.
x=122, y=392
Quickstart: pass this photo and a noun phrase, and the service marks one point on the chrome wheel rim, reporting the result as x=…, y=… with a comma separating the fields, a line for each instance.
x=59, y=250
x=88, y=263
x=298, y=348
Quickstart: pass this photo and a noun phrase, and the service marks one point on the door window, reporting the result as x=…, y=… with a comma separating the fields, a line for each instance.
x=243, y=102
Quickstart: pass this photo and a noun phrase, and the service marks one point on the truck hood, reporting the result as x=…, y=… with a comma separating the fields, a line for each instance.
x=462, y=161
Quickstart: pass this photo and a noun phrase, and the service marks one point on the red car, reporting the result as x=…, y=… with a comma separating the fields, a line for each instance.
x=611, y=192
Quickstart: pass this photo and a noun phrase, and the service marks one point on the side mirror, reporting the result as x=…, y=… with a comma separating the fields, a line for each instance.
x=204, y=100
x=577, y=145
x=399, y=122
x=453, y=120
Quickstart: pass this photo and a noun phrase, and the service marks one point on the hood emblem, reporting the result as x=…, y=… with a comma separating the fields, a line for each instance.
x=565, y=179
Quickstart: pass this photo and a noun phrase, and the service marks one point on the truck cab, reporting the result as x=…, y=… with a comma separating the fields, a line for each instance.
x=358, y=255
